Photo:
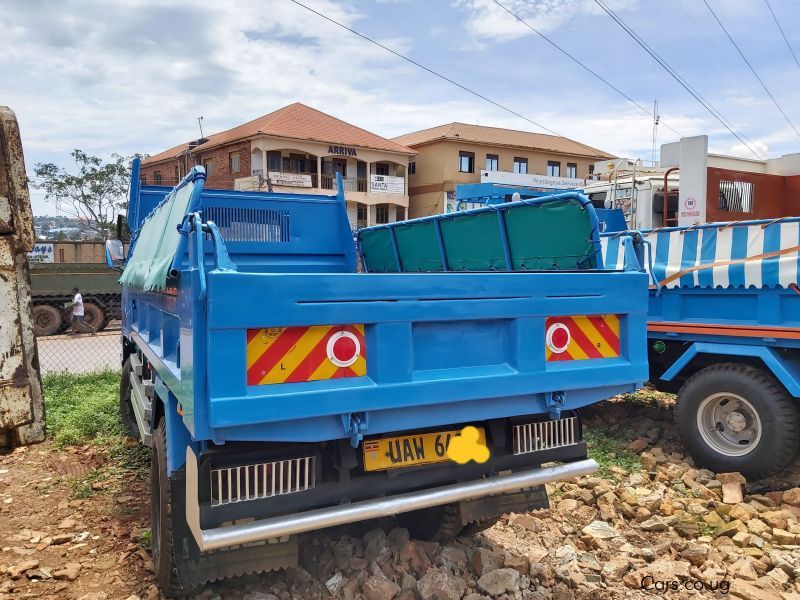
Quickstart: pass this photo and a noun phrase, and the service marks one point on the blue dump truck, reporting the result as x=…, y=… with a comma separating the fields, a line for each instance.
x=283, y=391
x=724, y=334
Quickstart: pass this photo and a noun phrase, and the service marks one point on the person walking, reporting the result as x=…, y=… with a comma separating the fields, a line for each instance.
x=78, y=313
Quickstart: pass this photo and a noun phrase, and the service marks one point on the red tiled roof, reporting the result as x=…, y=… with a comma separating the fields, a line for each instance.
x=496, y=136
x=296, y=121
x=169, y=154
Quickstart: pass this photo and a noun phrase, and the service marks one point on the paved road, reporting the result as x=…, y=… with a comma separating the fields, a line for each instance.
x=80, y=353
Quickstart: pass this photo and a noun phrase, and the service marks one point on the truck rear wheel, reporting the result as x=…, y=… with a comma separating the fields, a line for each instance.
x=46, y=319
x=165, y=563
x=438, y=523
x=735, y=417
x=126, y=413
x=93, y=315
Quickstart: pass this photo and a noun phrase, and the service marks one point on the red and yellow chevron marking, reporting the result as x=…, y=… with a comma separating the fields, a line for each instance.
x=293, y=354
x=582, y=337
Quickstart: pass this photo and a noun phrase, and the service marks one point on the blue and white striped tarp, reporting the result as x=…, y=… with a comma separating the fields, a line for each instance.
x=728, y=255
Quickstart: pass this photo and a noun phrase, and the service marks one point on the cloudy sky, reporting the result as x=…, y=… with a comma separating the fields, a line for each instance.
x=131, y=76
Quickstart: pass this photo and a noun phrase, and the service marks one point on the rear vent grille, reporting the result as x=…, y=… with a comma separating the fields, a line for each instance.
x=545, y=435
x=249, y=224
x=256, y=482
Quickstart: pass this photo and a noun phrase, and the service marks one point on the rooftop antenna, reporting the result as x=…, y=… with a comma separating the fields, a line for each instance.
x=200, y=123
x=656, y=119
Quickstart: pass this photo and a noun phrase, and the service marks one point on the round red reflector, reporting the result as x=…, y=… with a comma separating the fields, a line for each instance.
x=558, y=337
x=343, y=348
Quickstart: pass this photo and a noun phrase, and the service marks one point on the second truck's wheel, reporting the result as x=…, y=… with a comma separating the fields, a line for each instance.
x=165, y=564
x=93, y=315
x=735, y=417
x=126, y=413
x=46, y=319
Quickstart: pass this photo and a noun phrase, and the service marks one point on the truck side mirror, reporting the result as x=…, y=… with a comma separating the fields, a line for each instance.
x=115, y=254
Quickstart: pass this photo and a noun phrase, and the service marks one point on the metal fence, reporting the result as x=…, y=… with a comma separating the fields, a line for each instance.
x=81, y=352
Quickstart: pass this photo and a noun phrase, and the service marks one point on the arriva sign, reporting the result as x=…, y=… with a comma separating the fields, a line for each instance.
x=342, y=150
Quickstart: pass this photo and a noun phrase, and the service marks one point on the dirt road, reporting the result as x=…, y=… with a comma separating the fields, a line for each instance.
x=72, y=527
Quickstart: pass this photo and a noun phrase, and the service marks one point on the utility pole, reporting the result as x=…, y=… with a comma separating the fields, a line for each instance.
x=656, y=118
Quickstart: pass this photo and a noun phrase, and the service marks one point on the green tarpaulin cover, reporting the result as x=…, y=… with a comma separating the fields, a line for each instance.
x=154, y=251
x=550, y=235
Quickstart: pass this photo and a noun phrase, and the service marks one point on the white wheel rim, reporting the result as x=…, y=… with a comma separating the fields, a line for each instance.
x=729, y=424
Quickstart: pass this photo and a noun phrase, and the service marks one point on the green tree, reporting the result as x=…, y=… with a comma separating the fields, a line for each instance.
x=94, y=194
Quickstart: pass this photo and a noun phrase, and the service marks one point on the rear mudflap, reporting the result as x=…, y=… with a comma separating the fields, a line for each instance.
x=197, y=568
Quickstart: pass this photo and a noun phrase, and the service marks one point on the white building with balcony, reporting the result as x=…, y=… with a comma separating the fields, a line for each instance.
x=299, y=149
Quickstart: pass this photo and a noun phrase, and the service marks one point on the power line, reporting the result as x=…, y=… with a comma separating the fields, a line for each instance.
x=685, y=84
x=584, y=66
x=752, y=70
x=785, y=39
x=439, y=75
x=713, y=43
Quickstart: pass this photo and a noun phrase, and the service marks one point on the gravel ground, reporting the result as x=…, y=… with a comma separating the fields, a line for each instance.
x=648, y=525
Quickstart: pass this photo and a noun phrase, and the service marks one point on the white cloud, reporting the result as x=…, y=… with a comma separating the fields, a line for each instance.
x=485, y=19
x=743, y=151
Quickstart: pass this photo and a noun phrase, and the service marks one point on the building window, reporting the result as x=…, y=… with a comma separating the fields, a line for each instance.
x=572, y=170
x=401, y=213
x=381, y=169
x=412, y=167
x=143, y=180
x=553, y=168
x=737, y=196
x=233, y=161
x=208, y=166
x=273, y=161
x=591, y=169
x=466, y=162
x=381, y=213
x=520, y=165
x=177, y=175
x=361, y=215
x=492, y=162
x=157, y=177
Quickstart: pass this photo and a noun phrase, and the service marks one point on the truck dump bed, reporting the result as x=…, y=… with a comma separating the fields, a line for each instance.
x=245, y=356
x=735, y=279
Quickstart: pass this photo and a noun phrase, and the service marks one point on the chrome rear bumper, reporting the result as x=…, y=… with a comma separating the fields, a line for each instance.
x=311, y=520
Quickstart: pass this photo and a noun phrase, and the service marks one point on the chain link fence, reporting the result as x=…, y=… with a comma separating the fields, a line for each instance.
x=82, y=352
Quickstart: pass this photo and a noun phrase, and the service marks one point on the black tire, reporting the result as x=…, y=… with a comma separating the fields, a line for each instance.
x=438, y=523
x=777, y=411
x=47, y=319
x=93, y=316
x=165, y=565
x=126, y=413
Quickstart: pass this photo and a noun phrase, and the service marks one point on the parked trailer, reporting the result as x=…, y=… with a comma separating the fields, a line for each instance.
x=52, y=284
x=281, y=391
x=724, y=334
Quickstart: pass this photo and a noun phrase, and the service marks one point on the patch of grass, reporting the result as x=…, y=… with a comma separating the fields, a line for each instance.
x=705, y=528
x=82, y=409
x=146, y=540
x=81, y=487
x=609, y=449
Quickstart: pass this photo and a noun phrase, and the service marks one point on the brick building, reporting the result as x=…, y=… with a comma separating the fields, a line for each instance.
x=298, y=149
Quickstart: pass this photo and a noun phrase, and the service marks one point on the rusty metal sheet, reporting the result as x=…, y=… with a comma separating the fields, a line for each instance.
x=21, y=400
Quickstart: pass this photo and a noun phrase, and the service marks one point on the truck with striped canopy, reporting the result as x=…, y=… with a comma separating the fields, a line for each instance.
x=724, y=334
x=283, y=390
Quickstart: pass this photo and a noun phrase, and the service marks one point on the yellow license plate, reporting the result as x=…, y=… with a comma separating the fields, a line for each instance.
x=410, y=450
